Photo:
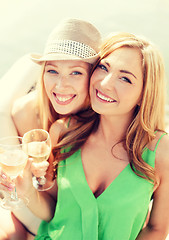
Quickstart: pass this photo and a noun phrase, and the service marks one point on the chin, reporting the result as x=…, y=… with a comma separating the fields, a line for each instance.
x=65, y=112
x=97, y=110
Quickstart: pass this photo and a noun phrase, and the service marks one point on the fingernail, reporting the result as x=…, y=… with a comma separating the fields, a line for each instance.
x=10, y=188
x=3, y=176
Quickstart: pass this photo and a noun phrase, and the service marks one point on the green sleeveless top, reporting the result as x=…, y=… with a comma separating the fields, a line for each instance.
x=118, y=213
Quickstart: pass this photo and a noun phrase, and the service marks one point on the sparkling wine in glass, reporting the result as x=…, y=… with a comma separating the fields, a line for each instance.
x=12, y=161
x=38, y=147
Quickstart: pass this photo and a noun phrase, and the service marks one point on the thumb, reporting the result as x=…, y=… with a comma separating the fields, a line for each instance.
x=27, y=169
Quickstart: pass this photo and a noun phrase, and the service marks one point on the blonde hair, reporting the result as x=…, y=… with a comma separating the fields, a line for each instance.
x=149, y=116
x=46, y=112
x=76, y=133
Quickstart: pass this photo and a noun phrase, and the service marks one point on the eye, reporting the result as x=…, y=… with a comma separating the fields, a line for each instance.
x=103, y=67
x=52, y=71
x=76, y=73
x=125, y=79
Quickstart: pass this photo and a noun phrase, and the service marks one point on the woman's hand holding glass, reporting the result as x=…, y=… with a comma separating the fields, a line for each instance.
x=39, y=169
x=37, y=145
x=12, y=162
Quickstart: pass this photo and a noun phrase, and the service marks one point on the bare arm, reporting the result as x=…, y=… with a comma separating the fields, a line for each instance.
x=41, y=200
x=24, y=113
x=158, y=225
x=45, y=200
x=14, y=84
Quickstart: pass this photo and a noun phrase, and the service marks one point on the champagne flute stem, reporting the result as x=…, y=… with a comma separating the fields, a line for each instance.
x=14, y=195
x=41, y=180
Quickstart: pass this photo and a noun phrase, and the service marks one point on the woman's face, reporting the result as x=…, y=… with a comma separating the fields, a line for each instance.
x=66, y=84
x=117, y=83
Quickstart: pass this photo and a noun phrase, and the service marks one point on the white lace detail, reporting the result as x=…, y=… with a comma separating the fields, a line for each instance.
x=70, y=47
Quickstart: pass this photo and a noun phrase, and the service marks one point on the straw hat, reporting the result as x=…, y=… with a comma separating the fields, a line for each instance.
x=73, y=39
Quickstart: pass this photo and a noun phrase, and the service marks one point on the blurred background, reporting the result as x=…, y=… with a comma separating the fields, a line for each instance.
x=26, y=24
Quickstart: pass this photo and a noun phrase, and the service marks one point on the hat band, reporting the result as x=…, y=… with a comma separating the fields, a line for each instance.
x=71, y=48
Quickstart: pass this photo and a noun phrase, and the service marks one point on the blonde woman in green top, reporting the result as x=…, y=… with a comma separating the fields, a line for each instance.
x=106, y=178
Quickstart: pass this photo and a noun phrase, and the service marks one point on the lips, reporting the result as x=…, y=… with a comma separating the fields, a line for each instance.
x=64, y=99
x=103, y=97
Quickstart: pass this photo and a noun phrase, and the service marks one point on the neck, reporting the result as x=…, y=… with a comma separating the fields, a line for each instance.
x=113, y=129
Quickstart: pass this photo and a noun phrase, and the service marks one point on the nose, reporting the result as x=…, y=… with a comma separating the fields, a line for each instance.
x=62, y=82
x=108, y=81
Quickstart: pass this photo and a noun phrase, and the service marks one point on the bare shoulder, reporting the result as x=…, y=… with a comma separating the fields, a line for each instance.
x=24, y=113
x=26, y=100
x=162, y=154
x=159, y=218
x=57, y=128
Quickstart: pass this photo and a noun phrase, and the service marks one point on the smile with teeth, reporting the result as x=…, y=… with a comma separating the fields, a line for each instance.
x=103, y=97
x=60, y=98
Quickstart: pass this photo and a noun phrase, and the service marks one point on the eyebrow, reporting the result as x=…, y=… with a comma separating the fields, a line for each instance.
x=49, y=64
x=107, y=64
x=122, y=71
x=74, y=66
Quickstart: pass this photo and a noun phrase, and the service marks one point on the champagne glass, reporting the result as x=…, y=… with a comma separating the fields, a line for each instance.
x=12, y=161
x=38, y=147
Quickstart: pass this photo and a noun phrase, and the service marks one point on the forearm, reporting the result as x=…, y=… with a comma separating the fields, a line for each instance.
x=10, y=227
x=28, y=219
x=7, y=127
x=38, y=201
x=41, y=203
x=150, y=233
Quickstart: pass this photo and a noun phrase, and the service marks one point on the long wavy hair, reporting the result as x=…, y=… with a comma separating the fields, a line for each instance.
x=149, y=115
x=82, y=124
x=46, y=112
x=76, y=133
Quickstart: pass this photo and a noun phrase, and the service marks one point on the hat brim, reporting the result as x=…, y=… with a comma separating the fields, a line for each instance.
x=39, y=59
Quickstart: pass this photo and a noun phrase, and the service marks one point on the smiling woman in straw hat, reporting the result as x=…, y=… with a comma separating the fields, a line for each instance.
x=62, y=90
x=72, y=42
